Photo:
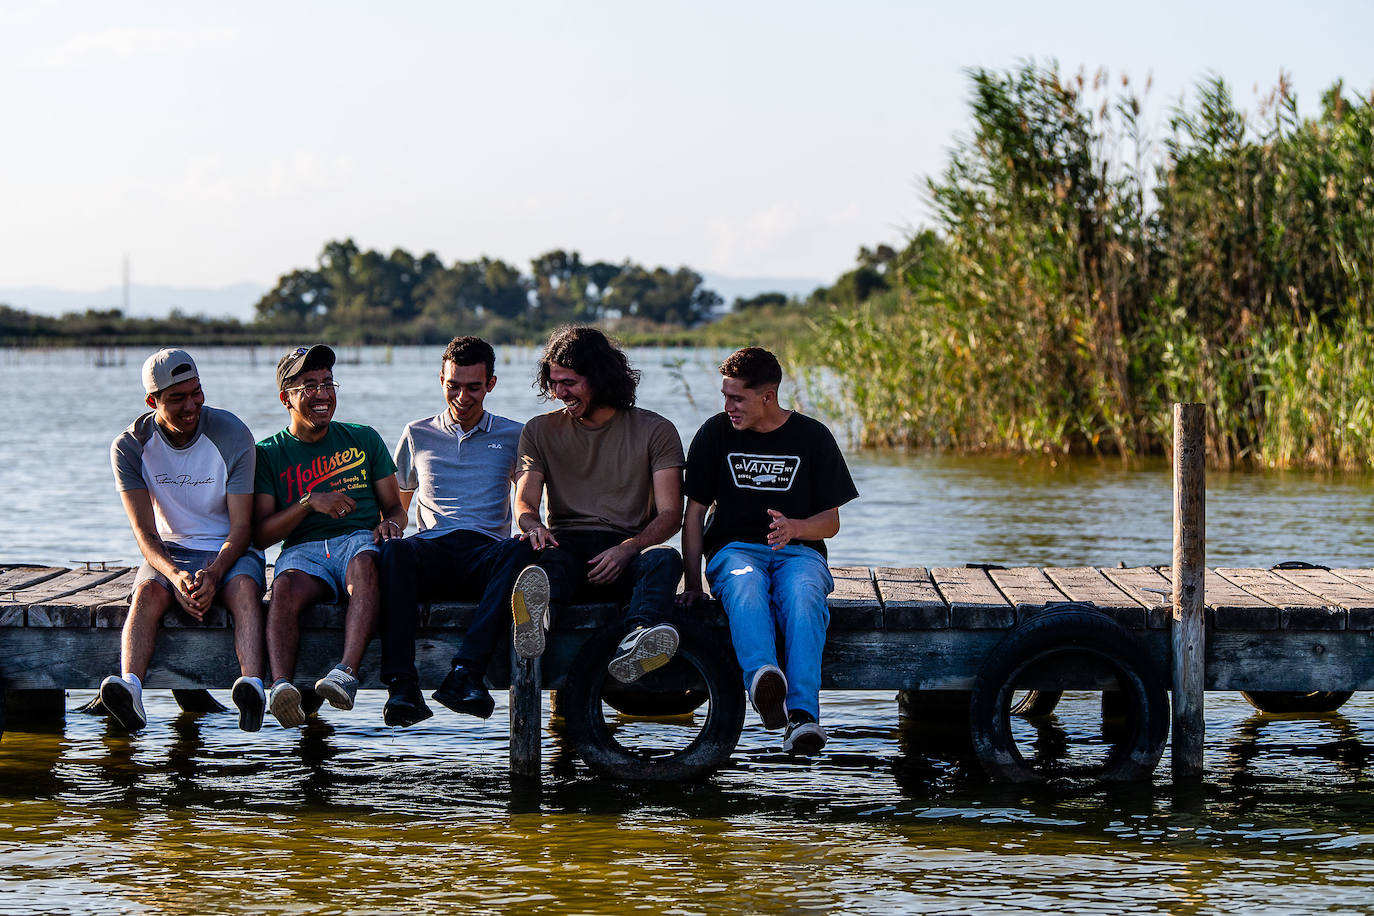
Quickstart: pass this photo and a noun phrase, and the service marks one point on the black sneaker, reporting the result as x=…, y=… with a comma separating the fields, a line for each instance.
x=405, y=705
x=804, y=736
x=462, y=692
x=251, y=700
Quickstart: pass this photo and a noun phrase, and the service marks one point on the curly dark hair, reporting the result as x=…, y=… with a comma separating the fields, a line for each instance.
x=591, y=354
x=754, y=366
x=469, y=351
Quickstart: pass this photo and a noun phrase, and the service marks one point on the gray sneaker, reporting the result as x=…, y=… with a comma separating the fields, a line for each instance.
x=768, y=694
x=284, y=701
x=124, y=701
x=529, y=608
x=338, y=687
x=803, y=738
x=643, y=650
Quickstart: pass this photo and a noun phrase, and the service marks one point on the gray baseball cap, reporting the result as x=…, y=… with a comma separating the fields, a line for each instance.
x=166, y=368
x=300, y=359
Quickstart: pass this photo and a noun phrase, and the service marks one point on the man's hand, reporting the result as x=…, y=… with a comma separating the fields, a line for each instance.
x=184, y=586
x=607, y=566
x=539, y=537
x=206, y=585
x=335, y=504
x=781, y=530
x=690, y=599
x=386, y=531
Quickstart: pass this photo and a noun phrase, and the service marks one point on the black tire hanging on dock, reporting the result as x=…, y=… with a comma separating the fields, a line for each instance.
x=1279, y=701
x=651, y=703
x=1073, y=631
x=586, y=687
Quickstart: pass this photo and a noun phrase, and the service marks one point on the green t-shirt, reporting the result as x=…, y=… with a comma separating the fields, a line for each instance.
x=350, y=459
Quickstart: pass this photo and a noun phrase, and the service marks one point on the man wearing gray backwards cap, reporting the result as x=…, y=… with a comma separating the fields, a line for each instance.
x=328, y=490
x=185, y=474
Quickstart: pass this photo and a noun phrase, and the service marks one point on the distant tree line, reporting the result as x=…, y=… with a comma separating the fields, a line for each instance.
x=367, y=296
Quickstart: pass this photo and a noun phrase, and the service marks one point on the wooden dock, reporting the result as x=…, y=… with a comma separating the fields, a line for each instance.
x=1288, y=630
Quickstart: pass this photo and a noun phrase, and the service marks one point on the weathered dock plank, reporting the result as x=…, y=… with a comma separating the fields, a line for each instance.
x=1089, y=584
x=854, y=604
x=1331, y=589
x=1230, y=607
x=16, y=578
x=1298, y=608
x=1028, y=590
x=1150, y=587
x=975, y=602
x=78, y=608
x=910, y=599
x=1364, y=579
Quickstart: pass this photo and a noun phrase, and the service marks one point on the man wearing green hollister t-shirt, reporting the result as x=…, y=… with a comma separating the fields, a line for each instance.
x=328, y=491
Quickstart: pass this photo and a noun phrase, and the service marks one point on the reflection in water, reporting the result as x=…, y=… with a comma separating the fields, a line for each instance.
x=192, y=814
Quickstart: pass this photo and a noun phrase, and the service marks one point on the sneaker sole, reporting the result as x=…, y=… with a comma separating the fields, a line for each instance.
x=769, y=697
x=337, y=695
x=807, y=744
x=285, y=705
x=120, y=704
x=529, y=607
x=251, y=706
x=653, y=651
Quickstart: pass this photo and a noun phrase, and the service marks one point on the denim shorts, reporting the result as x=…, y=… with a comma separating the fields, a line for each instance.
x=327, y=560
x=250, y=565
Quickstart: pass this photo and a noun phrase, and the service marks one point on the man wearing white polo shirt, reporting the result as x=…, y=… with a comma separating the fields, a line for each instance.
x=185, y=474
x=455, y=471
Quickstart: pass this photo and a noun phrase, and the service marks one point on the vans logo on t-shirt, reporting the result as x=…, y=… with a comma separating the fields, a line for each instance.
x=763, y=472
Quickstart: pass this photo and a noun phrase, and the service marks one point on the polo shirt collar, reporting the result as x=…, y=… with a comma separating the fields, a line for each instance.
x=483, y=425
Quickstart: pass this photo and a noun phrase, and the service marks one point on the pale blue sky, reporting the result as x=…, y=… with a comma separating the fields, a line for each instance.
x=217, y=143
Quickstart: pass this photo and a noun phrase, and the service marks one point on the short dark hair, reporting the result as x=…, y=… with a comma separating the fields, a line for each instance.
x=469, y=351
x=591, y=354
x=754, y=366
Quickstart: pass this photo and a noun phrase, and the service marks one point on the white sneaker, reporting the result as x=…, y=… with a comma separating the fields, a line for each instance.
x=804, y=738
x=285, y=703
x=249, y=697
x=768, y=694
x=123, y=699
x=529, y=608
x=643, y=650
x=338, y=687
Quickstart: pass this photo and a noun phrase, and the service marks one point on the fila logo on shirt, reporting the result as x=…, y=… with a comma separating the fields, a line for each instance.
x=763, y=472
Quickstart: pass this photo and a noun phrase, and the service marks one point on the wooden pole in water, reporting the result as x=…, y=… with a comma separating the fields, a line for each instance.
x=526, y=716
x=1190, y=557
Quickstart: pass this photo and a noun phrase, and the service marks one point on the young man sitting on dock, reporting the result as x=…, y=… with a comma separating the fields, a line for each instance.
x=328, y=490
x=613, y=472
x=185, y=474
x=777, y=480
x=455, y=470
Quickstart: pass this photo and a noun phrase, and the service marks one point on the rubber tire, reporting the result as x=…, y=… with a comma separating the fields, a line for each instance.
x=652, y=704
x=1143, y=734
x=1279, y=701
x=1037, y=703
x=580, y=701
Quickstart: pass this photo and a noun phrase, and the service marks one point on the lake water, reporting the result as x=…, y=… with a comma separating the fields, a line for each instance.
x=349, y=816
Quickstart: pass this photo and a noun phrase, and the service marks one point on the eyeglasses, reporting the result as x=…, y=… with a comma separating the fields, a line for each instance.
x=310, y=389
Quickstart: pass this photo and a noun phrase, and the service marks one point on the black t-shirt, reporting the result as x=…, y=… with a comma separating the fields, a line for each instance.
x=797, y=470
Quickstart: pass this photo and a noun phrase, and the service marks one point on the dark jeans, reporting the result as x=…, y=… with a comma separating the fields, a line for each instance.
x=465, y=565
x=648, y=585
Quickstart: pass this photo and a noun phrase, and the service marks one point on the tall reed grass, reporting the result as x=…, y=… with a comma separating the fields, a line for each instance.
x=1089, y=276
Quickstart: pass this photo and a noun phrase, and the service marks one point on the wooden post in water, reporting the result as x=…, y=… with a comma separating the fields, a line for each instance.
x=526, y=716
x=1190, y=557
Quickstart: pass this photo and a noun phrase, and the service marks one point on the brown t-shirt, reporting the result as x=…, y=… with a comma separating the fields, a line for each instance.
x=600, y=479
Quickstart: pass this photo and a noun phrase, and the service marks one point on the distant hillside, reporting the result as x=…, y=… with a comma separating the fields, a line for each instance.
x=234, y=301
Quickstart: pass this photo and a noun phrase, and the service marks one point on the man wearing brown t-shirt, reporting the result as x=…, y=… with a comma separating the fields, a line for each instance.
x=613, y=473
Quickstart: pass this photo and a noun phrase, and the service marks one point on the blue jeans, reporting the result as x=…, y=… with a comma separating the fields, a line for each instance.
x=766, y=591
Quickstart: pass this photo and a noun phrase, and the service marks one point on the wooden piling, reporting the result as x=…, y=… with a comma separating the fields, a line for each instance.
x=526, y=717
x=1188, y=635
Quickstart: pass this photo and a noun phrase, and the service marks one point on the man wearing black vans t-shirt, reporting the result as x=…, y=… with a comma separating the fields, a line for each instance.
x=777, y=480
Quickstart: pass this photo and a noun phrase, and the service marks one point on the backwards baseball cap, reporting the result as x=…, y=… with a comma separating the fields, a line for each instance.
x=166, y=368
x=301, y=359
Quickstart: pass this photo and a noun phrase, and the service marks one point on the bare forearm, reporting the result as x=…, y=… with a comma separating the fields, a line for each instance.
x=660, y=528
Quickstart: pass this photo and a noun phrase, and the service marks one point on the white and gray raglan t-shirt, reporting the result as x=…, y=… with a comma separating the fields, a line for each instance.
x=187, y=485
